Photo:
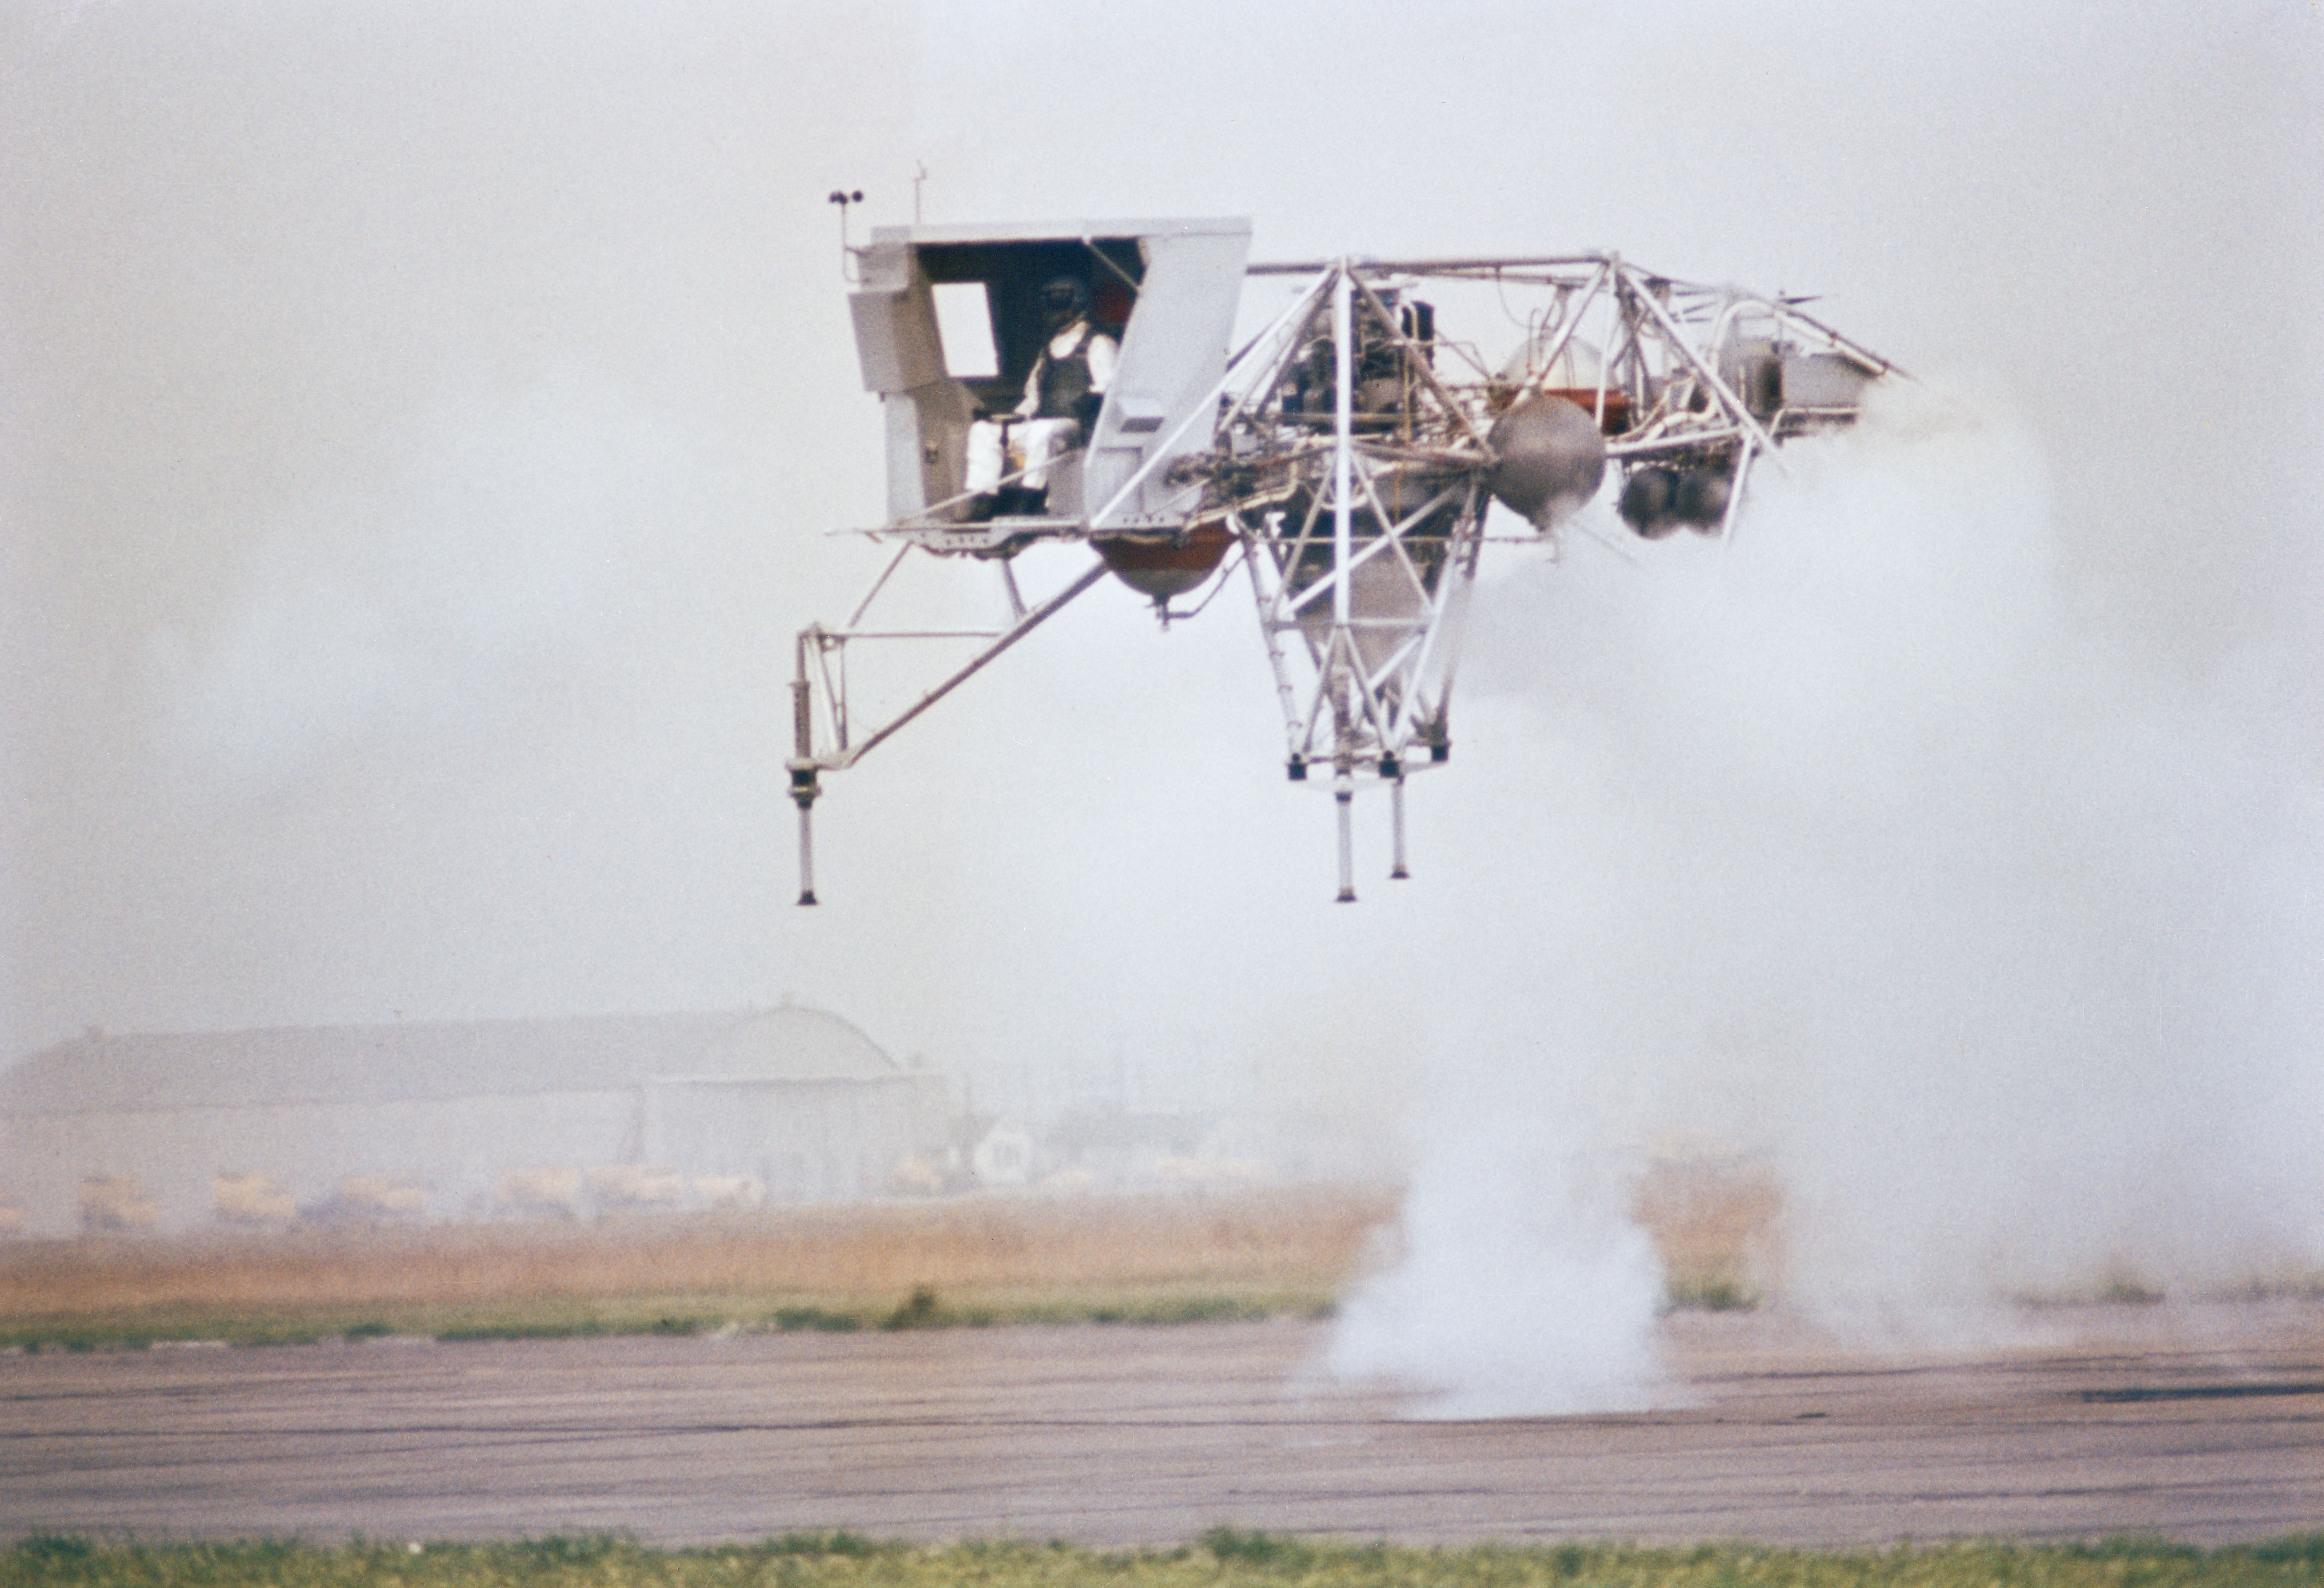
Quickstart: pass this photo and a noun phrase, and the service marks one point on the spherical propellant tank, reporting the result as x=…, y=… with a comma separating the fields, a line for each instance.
x=1573, y=366
x=1552, y=458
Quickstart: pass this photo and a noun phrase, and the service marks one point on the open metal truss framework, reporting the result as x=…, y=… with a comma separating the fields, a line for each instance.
x=1351, y=467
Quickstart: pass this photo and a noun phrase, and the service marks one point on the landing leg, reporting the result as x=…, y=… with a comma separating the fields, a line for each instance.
x=1344, y=794
x=804, y=786
x=807, y=851
x=1397, y=872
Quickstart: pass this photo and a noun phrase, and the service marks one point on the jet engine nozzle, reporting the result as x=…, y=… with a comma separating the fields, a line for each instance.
x=1657, y=499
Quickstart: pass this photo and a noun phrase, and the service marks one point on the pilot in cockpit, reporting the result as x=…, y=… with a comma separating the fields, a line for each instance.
x=1062, y=393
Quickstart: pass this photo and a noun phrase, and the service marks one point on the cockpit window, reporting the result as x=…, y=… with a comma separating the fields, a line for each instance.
x=964, y=322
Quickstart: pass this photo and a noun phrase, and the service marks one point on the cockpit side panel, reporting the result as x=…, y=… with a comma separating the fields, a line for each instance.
x=1173, y=355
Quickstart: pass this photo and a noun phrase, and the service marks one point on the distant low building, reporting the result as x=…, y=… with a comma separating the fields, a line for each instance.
x=784, y=1105
x=1119, y=1146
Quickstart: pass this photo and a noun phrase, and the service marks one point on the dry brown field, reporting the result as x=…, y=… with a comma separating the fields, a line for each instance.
x=1292, y=1239
x=1001, y=1257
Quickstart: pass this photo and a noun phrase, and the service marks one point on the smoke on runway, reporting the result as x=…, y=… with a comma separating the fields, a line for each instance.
x=1851, y=846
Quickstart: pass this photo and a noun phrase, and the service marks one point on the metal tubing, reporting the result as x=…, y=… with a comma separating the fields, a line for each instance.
x=1282, y=336
x=1344, y=795
x=1570, y=323
x=1397, y=872
x=1427, y=375
x=806, y=851
x=878, y=584
x=1271, y=636
x=1870, y=361
x=1735, y=492
x=1422, y=267
x=1734, y=404
x=915, y=523
x=1207, y=407
x=919, y=634
x=1378, y=546
x=1090, y=243
x=802, y=770
x=1343, y=357
x=1032, y=620
x=802, y=710
x=1664, y=440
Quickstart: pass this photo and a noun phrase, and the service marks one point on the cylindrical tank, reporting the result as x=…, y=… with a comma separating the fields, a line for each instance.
x=1575, y=372
x=1552, y=459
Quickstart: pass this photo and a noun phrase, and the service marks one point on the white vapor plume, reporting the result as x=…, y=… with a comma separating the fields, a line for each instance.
x=1526, y=1290
x=1855, y=849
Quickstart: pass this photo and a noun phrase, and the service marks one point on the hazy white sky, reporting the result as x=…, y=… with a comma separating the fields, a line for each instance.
x=419, y=425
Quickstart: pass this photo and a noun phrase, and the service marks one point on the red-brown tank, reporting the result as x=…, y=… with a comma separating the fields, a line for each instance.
x=1163, y=566
x=1618, y=405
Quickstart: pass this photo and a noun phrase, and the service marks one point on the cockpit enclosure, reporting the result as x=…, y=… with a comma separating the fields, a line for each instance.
x=948, y=324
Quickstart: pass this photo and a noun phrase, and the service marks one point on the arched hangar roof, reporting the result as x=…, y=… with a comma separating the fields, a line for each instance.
x=438, y=1060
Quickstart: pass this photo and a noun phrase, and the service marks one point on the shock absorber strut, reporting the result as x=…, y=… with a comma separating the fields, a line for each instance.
x=804, y=786
x=1343, y=796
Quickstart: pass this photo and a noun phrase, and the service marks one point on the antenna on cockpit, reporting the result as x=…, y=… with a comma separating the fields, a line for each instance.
x=844, y=198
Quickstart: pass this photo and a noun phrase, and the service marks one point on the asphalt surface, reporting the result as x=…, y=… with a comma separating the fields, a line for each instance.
x=2203, y=1423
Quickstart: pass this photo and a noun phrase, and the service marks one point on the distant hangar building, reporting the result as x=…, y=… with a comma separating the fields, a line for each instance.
x=460, y=1120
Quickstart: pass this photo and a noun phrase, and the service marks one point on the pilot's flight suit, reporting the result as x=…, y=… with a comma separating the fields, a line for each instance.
x=1078, y=364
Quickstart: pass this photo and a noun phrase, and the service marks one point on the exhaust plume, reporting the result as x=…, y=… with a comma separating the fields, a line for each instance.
x=1853, y=849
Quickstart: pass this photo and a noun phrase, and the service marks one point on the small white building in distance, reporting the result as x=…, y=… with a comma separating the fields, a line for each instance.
x=458, y=1120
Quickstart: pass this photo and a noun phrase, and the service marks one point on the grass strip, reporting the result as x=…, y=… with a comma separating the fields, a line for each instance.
x=1221, y=1558
x=924, y=1307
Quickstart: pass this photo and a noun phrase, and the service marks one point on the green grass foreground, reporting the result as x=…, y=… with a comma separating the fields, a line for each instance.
x=1222, y=1557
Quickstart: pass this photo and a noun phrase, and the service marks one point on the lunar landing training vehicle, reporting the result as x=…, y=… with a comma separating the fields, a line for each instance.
x=1073, y=384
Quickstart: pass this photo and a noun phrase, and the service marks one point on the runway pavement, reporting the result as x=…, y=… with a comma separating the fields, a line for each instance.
x=2204, y=1424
